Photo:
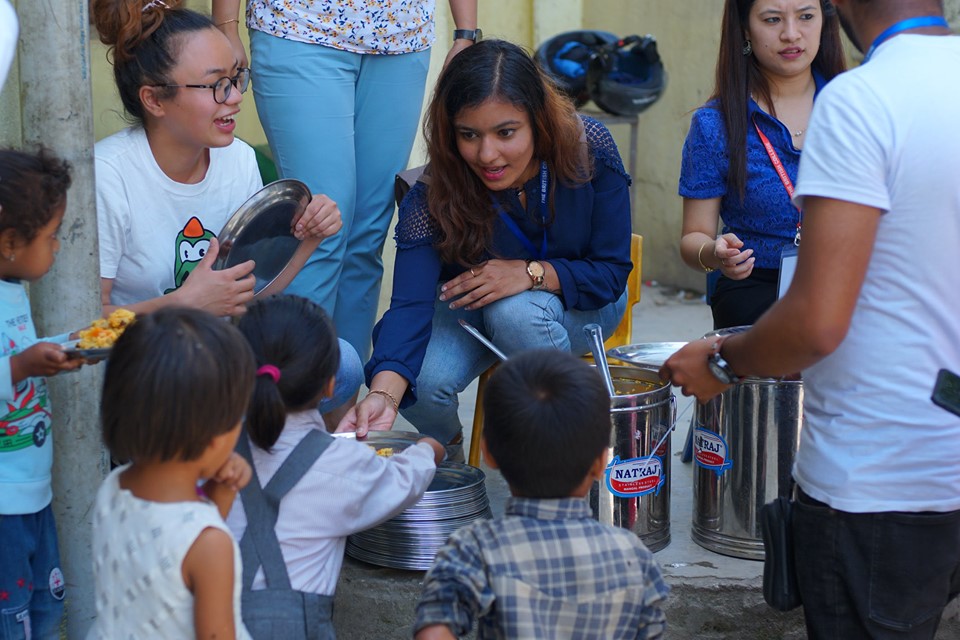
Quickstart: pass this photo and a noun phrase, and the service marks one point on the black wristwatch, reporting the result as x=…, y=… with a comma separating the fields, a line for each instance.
x=721, y=369
x=467, y=34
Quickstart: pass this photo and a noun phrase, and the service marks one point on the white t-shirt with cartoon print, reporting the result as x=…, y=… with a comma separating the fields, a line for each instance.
x=153, y=230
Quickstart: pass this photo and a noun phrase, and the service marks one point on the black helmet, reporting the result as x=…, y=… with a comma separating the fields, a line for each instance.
x=627, y=76
x=566, y=57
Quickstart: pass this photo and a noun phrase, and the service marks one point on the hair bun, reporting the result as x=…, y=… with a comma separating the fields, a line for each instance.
x=124, y=24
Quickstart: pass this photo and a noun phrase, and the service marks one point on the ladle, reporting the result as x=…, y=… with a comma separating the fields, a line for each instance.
x=472, y=330
x=595, y=336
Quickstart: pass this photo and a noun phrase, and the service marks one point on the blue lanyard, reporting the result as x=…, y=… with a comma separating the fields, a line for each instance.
x=515, y=228
x=903, y=25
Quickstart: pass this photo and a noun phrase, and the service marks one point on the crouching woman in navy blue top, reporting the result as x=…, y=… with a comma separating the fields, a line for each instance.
x=523, y=230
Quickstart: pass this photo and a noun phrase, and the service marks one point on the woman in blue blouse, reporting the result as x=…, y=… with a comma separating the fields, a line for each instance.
x=774, y=57
x=523, y=230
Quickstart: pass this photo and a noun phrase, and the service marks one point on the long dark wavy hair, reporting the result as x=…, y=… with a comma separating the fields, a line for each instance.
x=738, y=76
x=458, y=199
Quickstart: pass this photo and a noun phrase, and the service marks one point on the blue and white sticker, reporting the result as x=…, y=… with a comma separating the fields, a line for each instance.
x=635, y=476
x=710, y=451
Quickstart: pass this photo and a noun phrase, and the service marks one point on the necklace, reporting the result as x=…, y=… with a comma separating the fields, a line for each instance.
x=795, y=134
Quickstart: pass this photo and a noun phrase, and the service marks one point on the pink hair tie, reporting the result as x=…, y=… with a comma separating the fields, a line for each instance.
x=269, y=370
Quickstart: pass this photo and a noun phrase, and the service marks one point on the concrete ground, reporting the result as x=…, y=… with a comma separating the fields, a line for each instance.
x=713, y=596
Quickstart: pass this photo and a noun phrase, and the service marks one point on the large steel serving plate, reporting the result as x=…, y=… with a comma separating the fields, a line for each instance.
x=262, y=230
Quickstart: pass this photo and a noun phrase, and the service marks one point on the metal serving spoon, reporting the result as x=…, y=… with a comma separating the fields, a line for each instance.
x=472, y=330
x=595, y=336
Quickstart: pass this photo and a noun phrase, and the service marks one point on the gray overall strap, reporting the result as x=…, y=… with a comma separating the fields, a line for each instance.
x=259, y=546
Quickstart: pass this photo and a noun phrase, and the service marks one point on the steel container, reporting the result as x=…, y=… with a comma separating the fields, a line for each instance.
x=744, y=444
x=635, y=491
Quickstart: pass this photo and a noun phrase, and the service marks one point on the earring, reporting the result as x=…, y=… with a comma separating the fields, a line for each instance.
x=12, y=257
x=747, y=48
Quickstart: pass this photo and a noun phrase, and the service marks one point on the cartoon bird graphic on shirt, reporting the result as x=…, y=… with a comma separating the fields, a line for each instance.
x=192, y=244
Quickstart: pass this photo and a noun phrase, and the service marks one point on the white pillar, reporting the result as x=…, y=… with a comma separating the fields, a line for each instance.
x=57, y=113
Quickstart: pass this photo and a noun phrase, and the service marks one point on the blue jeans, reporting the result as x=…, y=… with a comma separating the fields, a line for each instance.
x=348, y=380
x=30, y=577
x=528, y=320
x=344, y=124
x=874, y=575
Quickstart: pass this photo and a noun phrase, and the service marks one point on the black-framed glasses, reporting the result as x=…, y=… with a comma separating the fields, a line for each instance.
x=222, y=87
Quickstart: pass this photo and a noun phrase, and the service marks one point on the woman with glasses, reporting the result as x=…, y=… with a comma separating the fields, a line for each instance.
x=167, y=184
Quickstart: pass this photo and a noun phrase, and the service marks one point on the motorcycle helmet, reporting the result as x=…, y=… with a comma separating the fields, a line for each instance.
x=627, y=76
x=566, y=57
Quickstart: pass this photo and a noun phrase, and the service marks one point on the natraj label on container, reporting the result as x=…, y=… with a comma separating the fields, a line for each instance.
x=635, y=476
x=710, y=451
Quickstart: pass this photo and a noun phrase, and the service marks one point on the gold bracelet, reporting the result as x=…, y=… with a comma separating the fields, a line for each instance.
x=700, y=259
x=388, y=395
x=220, y=24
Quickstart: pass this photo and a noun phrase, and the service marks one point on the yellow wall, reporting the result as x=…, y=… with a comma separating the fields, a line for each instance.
x=687, y=34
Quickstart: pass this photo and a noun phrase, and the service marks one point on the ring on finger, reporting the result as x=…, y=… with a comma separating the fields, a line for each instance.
x=473, y=273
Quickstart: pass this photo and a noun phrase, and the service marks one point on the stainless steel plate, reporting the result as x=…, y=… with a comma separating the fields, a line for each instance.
x=647, y=354
x=70, y=348
x=261, y=230
x=410, y=540
x=385, y=438
x=396, y=440
x=454, y=477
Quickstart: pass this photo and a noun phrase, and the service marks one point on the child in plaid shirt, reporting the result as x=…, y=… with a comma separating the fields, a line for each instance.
x=546, y=568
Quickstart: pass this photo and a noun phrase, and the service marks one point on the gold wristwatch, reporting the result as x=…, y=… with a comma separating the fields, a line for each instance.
x=536, y=271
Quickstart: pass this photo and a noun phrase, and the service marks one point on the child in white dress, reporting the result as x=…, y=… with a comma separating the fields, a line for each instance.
x=165, y=565
x=332, y=487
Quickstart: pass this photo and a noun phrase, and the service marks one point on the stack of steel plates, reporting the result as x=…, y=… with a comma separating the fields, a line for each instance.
x=456, y=497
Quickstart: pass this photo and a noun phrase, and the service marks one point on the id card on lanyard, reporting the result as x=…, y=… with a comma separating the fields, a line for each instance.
x=788, y=257
x=515, y=228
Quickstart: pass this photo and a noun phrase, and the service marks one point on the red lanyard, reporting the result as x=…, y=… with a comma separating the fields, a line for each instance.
x=784, y=178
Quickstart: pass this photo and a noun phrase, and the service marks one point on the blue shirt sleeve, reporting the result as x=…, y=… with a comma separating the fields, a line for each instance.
x=704, y=164
x=401, y=336
x=591, y=253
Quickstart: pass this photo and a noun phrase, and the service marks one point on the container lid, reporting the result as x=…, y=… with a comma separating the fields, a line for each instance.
x=728, y=331
x=650, y=355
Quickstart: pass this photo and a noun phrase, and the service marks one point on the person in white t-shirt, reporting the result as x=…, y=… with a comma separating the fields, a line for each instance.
x=871, y=315
x=9, y=30
x=167, y=185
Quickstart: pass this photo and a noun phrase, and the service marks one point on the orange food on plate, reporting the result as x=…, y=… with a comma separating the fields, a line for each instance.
x=103, y=332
